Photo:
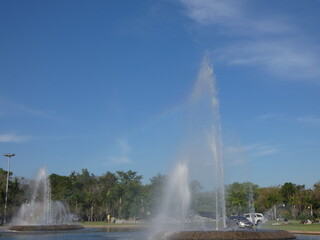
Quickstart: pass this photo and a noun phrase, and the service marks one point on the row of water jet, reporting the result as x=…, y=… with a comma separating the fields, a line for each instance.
x=40, y=209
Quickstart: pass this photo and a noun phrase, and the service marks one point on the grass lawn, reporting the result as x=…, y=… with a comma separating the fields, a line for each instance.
x=105, y=224
x=102, y=224
x=293, y=226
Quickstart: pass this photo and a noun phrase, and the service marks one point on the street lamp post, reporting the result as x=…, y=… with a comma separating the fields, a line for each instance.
x=8, y=155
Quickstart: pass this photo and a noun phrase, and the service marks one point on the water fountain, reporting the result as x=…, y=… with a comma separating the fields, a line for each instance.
x=208, y=125
x=41, y=213
x=175, y=205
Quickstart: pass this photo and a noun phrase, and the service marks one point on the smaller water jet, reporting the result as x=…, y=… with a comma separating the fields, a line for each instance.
x=41, y=213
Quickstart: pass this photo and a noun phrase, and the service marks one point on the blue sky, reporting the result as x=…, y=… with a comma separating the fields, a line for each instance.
x=103, y=85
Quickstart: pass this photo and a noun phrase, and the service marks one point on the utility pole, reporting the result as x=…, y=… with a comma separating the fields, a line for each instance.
x=8, y=155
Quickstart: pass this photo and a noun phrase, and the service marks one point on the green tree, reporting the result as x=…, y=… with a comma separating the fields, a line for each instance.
x=195, y=189
x=16, y=194
x=294, y=197
x=205, y=203
x=288, y=191
x=84, y=194
x=108, y=183
x=129, y=193
x=269, y=198
x=154, y=193
x=240, y=197
x=316, y=199
x=60, y=187
x=3, y=180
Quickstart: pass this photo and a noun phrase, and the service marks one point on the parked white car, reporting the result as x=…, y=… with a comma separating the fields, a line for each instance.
x=256, y=218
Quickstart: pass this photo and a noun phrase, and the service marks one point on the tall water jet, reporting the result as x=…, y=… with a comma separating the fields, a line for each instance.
x=205, y=90
x=203, y=153
x=40, y=212
x=201, y=156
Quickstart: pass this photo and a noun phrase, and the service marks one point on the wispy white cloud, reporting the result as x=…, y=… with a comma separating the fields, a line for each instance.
x=265, y=152
x=208, y=12
x=282, y=118
x=271, y=116
x=9, y=108
x=270, y=43
x=281, y=58
x=13, y=138
x=123, y=155
x=237, y=155
x=233, y=15
x=309, y=120
x=120, y=160
x=261, y=150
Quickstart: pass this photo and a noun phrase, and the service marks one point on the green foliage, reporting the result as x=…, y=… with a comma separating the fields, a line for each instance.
x=240, y=197
x=153, y=194
x=205, y=202
x=303, y=217
x=60, y=186
x=130, y=194
x=122, y=195
x=15, y=194
x=288, y=191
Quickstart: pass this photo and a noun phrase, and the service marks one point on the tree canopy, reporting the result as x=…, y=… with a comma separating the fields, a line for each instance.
x=123, y=195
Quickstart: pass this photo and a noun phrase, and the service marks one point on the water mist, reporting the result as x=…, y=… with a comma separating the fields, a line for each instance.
x=205, y=104
x=201, y=155
x=40, y=209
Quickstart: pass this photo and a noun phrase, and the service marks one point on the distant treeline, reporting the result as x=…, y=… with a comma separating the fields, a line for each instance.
x=122, y=195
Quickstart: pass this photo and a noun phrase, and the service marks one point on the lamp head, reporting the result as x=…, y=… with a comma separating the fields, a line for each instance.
x=9, y=155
